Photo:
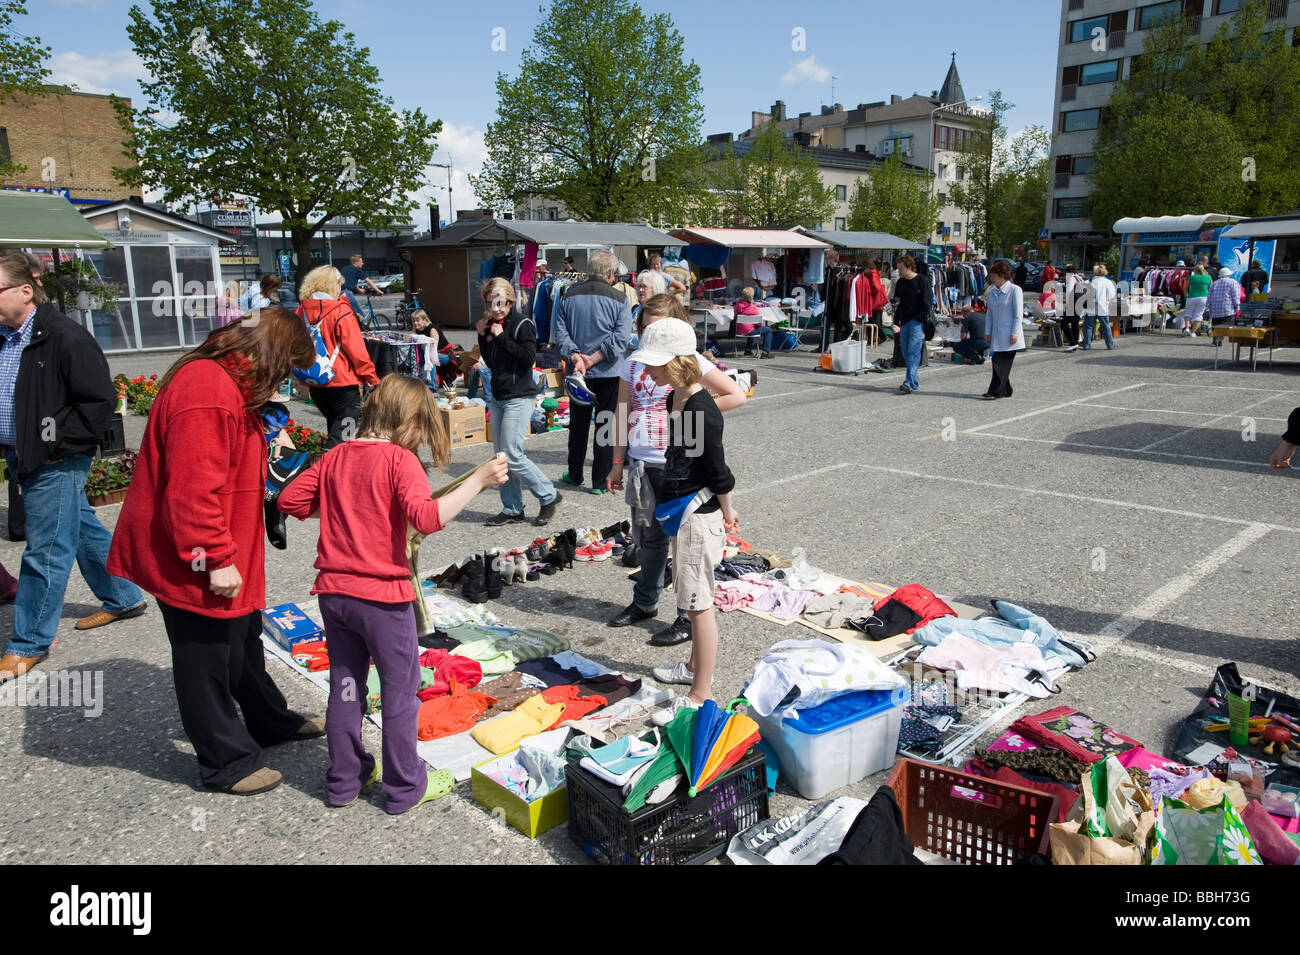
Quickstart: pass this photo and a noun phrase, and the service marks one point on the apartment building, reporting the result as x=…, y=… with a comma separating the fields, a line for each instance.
x=929, y=131
x=1098, y=41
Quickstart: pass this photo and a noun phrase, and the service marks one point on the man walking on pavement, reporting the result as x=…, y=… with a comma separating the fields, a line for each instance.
x=56, y=397
x=593, y=329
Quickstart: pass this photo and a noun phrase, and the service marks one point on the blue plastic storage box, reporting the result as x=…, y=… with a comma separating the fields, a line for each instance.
x=838, y=743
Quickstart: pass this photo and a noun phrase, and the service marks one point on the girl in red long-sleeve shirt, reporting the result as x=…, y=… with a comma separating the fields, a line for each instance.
x=366, y=492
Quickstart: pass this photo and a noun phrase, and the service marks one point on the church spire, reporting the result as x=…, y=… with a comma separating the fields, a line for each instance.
x=952, y=91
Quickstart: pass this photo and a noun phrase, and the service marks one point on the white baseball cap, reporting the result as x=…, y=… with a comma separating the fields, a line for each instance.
x=1225, y=273
x=663, y=341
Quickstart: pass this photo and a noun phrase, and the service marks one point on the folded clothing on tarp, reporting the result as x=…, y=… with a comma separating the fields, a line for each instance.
x=1012, y=625
x=834, y=611
x=529, y=643
x=492, y=660
x=529, y=718
x=903, y=611
x=509, y=690
x=439, y=668
x=1018, y=668
x=576, y=705
x=453, y=712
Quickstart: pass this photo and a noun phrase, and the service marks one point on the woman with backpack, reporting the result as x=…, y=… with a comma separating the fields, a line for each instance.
x=337, y=334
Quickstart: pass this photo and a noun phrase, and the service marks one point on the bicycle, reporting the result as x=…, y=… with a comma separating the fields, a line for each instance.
x=404, y=310
x=370, y=319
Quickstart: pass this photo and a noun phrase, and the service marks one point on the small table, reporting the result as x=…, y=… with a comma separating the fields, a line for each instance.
x=1238, y=335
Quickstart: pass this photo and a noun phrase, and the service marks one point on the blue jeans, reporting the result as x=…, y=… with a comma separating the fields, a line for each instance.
x=352, y=300
x=510, y=421
x=1089, y=322
x=764, y=333
x=61, y=528
x=482, y=378
x=912, y=342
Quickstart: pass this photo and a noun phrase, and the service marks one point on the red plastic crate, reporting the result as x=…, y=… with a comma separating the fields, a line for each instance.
x=970, y=819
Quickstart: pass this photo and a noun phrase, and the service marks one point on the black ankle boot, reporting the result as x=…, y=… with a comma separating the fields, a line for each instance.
x=493, y=583
x=474, y=588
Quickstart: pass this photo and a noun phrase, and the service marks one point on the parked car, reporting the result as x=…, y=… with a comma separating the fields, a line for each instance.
x=1034, y=278
x=384, y=281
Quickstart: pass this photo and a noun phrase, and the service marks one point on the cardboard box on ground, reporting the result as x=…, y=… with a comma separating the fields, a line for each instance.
x=466, y=426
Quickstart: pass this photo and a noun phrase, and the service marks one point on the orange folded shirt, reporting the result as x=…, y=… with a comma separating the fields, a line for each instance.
x=576, y=706
x=451, y=714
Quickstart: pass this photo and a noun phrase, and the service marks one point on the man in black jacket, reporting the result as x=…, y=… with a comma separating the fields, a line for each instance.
x=55, y=400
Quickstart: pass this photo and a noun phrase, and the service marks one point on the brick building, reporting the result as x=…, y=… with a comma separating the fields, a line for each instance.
x=69, y=143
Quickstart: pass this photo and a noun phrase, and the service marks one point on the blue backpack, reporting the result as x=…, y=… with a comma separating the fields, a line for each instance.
x=322, y=371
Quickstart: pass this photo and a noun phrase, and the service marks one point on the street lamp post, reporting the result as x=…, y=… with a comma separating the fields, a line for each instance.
x=933, y=150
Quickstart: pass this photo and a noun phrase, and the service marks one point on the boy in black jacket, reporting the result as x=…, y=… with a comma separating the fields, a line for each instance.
x=508, y=344
x=695, y=468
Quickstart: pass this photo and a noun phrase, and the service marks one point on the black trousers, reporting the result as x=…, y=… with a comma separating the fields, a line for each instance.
x=1070, y=327
x=1001, y=383
x=217, y=663
x=342, y=410
x=605, y=391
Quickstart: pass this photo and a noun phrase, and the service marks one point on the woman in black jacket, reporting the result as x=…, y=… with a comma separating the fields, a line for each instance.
x=508, y=344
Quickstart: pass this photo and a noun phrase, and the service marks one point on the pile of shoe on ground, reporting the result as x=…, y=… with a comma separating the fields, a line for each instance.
x=482, y=576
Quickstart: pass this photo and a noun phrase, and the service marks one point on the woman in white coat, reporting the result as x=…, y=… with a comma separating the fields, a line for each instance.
x=1006, y=306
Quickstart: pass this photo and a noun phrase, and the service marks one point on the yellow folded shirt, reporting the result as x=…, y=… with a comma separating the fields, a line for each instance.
x=527, y=719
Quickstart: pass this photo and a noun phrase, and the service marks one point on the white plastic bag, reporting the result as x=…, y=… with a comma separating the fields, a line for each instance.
x=805, y=838
x=817, y=670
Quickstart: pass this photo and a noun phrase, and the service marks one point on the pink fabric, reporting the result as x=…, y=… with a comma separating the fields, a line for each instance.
x=528, y=267
x=980, y=665
x=731, y=598
x=1144, y=759
x=1013, y=743
x=775, y=597
x=1286, y=823
x=1269, y=838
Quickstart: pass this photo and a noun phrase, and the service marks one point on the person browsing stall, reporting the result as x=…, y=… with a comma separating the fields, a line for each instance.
x=695, y=468
x=746, y=308
x=912, y=303
x=507, y=340
x=593, y=327
x=640, y=455
x=366, y=493
x=973, y=344
x=192, y=533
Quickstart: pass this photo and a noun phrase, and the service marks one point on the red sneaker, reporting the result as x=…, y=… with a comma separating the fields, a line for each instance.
x=598, y=550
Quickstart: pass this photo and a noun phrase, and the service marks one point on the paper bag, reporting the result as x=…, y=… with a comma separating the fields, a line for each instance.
x=1110, y=822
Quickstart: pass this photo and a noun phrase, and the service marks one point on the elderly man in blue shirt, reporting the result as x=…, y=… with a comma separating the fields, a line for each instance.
x=593, y=332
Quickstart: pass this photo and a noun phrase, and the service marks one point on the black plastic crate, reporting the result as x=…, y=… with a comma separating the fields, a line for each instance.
x=683, y=830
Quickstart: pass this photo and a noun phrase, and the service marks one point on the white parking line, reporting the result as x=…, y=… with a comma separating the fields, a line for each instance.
x=1105, y=447
x=1199, y=414
x=786, y=394
x=1204, y=424
x=796, y=477
x=1115, y=633
x=1064, y=404
x=1065, y=495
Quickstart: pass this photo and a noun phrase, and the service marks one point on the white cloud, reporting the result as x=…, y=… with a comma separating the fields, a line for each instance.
x=113, y=72
x=807, y=71
x=463, y=147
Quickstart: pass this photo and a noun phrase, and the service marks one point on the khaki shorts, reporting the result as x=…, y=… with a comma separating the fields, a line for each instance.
x=697, y=549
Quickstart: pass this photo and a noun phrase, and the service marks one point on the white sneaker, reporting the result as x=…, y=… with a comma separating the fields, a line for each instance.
x=677, y=673
x=665, y=716
x=1071, y=347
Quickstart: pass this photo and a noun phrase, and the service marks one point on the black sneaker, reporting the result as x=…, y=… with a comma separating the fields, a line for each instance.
x=538, y=551
x=679, y=631
x=504, y=518
x=548, y=511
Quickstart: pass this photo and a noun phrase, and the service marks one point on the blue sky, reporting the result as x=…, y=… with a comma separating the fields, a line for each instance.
x=438, y=55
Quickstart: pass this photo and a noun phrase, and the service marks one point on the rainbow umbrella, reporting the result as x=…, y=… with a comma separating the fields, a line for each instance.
x=708, y=741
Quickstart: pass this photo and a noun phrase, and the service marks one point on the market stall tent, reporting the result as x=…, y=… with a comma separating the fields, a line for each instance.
x=33, y=220
x=1169, y=238
x=447, y=268
x=746, y=247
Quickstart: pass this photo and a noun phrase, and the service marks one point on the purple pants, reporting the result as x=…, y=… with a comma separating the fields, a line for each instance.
x=357, y=631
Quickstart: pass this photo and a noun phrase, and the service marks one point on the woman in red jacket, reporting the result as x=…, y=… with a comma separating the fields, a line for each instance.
x=191, y=533
x=320, y=303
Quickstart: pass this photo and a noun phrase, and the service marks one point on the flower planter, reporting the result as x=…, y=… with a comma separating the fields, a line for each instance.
x=112, y=497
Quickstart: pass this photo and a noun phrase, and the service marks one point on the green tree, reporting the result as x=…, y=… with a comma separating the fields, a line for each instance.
x=774, y=183
x=604, y=116
x=1175, y=156
x=1021, y=187
x=261, y=98
x=22, y=67
x=1249, y=76
x=978, y=160
x=896, y=200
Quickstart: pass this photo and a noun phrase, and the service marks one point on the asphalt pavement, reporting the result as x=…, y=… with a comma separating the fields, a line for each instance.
x=1123, y=495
